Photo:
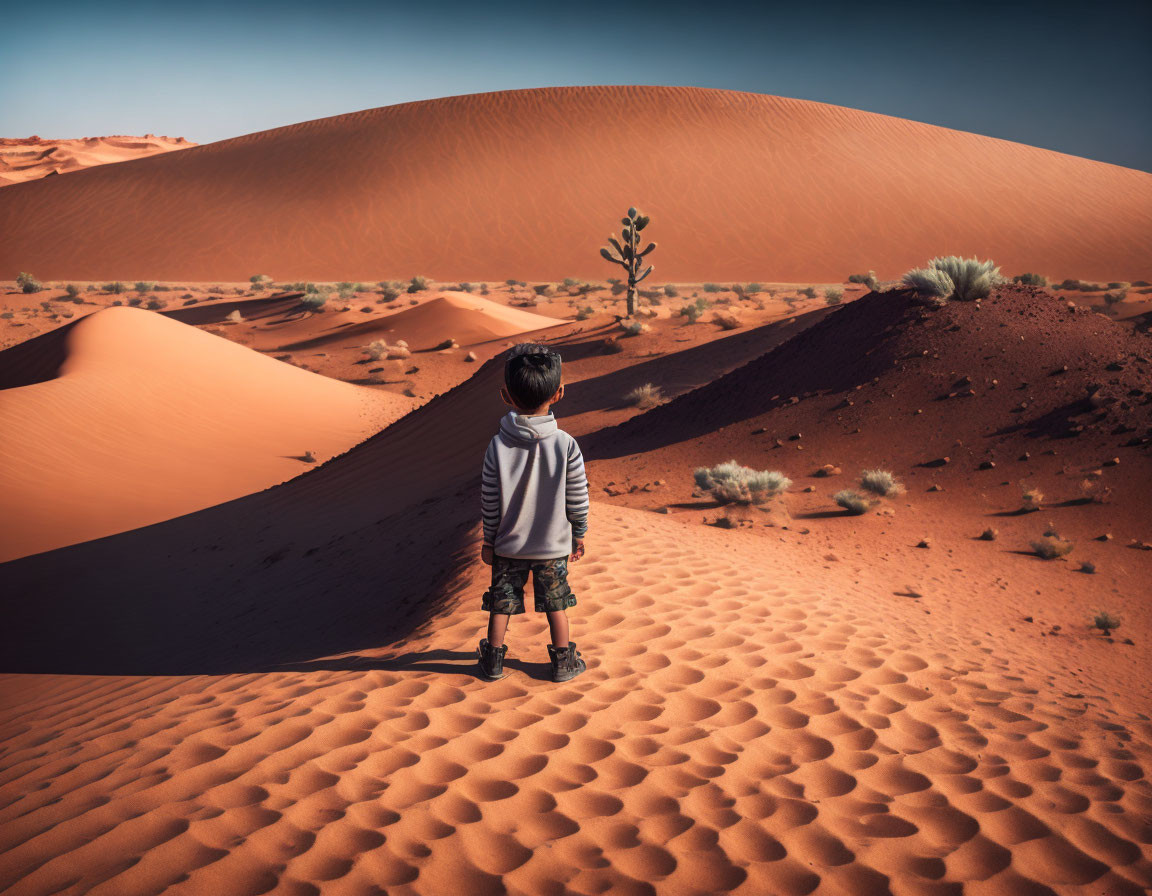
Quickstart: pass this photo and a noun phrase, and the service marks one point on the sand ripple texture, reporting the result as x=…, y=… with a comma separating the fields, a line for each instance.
x=742, y=728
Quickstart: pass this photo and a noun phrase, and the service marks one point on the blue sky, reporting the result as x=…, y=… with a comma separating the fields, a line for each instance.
x=1069, y=77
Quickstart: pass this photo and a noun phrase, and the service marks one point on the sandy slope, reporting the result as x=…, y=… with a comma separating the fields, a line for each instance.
x=767, y=710
x=33, y=157
x=125, y=418
x=440, y=316
x=529, y=183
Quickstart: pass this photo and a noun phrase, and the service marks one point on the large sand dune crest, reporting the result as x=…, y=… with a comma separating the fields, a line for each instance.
x=528, y=183
x=125, y=418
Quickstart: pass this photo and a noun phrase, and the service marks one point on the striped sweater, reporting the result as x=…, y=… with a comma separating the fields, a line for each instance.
x=533, y=489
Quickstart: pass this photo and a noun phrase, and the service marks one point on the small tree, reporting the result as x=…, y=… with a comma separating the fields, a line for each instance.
x=28, y=283
x=627, y=255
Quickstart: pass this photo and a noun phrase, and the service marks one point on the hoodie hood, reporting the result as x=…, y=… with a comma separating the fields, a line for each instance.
x=523, y=430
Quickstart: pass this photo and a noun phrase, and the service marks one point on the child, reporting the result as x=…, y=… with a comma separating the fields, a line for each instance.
x=534, y=501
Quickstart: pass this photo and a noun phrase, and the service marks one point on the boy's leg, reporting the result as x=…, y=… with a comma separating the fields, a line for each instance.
x=557, y=627
x=497, y=626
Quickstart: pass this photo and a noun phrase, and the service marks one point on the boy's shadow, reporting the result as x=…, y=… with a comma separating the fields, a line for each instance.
x=442, y=662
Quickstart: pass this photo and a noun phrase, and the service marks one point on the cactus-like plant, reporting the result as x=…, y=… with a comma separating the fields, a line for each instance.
x=627, y=253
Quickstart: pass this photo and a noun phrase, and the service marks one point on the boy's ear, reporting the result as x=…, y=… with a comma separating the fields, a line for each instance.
x=559, y=394
x=506, y=397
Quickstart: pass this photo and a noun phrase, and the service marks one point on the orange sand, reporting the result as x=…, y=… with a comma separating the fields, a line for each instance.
x=32, y=158
x=148, y=418
x=529, y=183
x=277, y=694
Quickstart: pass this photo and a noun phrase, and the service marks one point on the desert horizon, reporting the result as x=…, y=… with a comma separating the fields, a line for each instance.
x=821, y=434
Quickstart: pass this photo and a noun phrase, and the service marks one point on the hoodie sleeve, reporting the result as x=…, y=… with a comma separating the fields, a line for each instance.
x=576, y=498
x=490, y=494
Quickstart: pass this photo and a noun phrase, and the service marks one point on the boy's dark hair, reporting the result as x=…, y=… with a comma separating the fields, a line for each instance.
x=531, y=374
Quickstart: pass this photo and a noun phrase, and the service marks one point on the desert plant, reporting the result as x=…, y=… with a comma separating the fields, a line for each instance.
x=259, y=278
x=1051, y=546
x=726, y=319
x=143, y=286
x=389, y=294
x=28, y=283
x=315, y=300
x=72, y=291
x=158, y=304
x=693, y=310
x=808, y=292
x=1114, y=298
x=971, y=279
x=7, y=315
x=1105, y=621
x=712, y=287
x=670, y=291
x=235, y=316
x=135, y=300
x=644, y=397
x=854, y=502
x=1030, y=279
x=569, y=282
x=585, y=313
x=544, y=289
x=833, y=295
x=880, y=482
x=732, y=483
x=868, y=279
x=930, y=283
x=1031, y=499
x=116, y=287
x=628, y=254
x=465, y=286
x=634, y=328
x=752, y=289
x=418, y=284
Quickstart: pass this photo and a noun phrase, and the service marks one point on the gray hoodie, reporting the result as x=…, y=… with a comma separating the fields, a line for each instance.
x=533, y=489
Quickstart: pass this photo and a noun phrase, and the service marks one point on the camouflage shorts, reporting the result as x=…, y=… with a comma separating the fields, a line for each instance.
x=549, y=585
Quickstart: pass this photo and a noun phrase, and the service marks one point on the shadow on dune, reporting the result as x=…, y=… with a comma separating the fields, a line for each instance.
x=353, y=554
x=441, y=662
x=35, y=360
x=250, y=309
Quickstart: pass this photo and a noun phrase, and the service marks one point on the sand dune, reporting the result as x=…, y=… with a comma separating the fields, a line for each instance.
x=33, y=157
x=767, y=709
x=125, y=418
x=529, y=183
x=447, y=315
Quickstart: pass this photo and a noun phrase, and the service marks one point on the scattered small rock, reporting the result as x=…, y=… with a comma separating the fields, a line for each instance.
x=924, y=543
x=935, y=487
x=988, y=465
x=938, y=462
x=1088, y=566
x=990, y=535
x=1025, y=456
x=1107, y=536
x=471, y=356
x=1112, y=462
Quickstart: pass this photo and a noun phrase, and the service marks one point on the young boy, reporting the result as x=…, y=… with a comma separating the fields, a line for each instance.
x=534, y=501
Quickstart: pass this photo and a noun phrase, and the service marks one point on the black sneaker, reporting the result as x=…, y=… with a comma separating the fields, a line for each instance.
x=566, y=662
x=491, y=660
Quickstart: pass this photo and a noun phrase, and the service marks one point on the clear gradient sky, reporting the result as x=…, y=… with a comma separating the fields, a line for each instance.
x=1073, y=77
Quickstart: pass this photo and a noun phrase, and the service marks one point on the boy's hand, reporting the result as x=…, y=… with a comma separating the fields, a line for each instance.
x=577, y=550
x=487, y=553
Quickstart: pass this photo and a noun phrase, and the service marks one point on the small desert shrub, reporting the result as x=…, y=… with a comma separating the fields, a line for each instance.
x=1105, y=621
x=1115, y=298
x=694, y=310
x=465, y=286
x=644, y=397
x=670, y=291
x=514, y=283
x=1051, y=546
x=259, y=278
x=135, y=300
x=930, y=283
x=7, y=315
x=569, y=282
x=971, y=279
x=1031, y=499
x=389, y=294
x=712, y=287
x=726, y=319
x=418, y=284
x=808, y=292
x=634, y=328
x=854, y=502
x=880, y=482
x=1140, y=283
x=381, y=349
x=1030, y=279
x=1088, y=567
x=309, y=457
x=732, y=483
x=115, y=287
x=143, y=286
x=585, y=313
x=28, y=283
x=158, y=304
x=72, y=291
x=833, y=295
x=1068, y=284
x=236, y=317
x=868, y=279
x=752, y=289
x=314, y=301
x=215, y=290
